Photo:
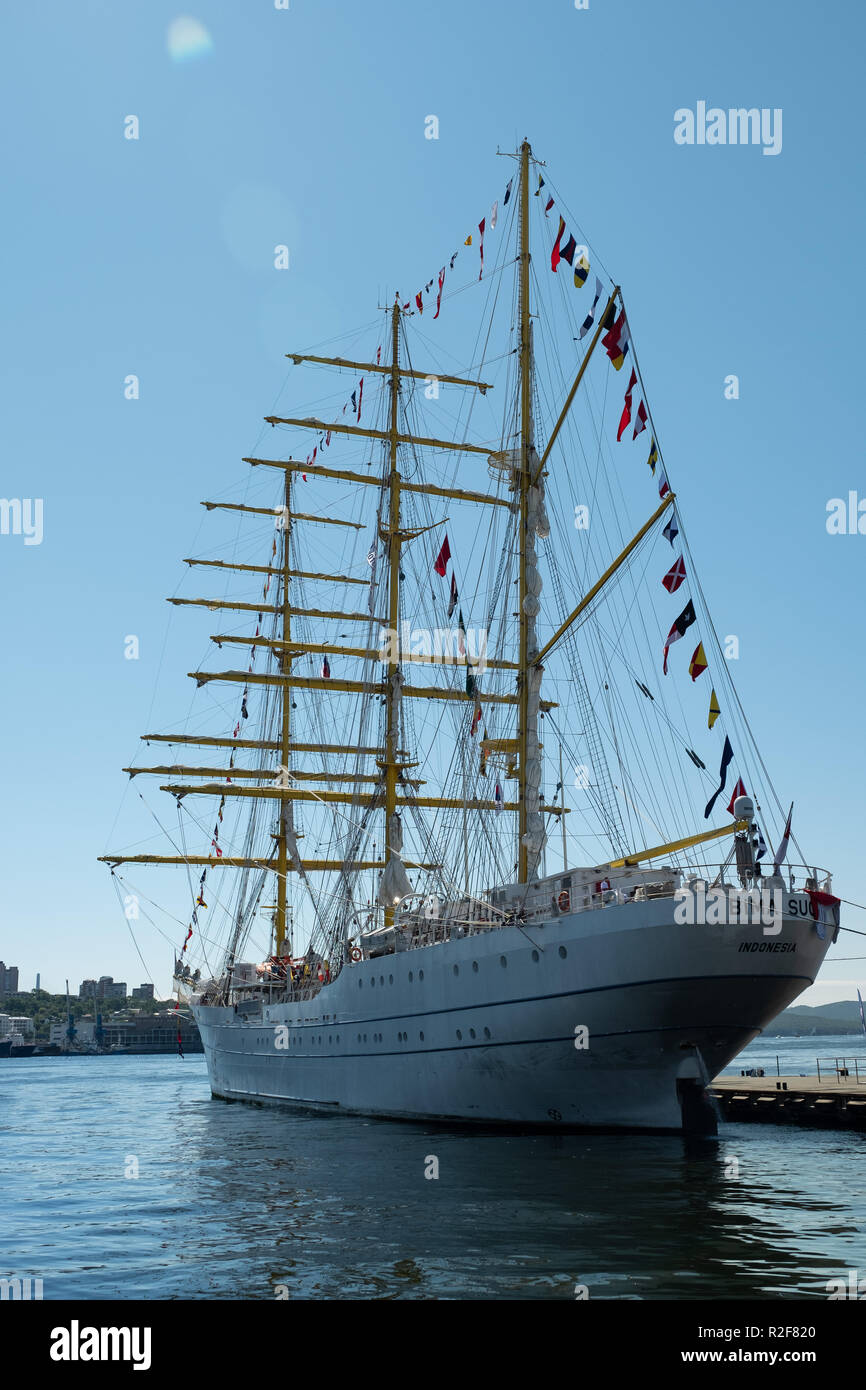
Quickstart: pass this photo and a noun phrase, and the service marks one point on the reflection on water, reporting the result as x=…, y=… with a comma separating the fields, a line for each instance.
x=236, y=1201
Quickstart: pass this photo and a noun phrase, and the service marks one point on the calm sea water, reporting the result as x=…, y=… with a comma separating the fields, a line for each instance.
x=232, y=1201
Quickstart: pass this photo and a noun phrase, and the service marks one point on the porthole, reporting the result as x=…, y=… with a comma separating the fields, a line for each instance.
x=475, y=966
x=421, y=1036
x=359, y=1037
x=390, y=979
x=360, y=984
x=420, y=974
x=411, y=977
x=503, y=961
x=472, y=1032
x=487, y=1032
x=456, y=969
x=365, y=1037
x=535, y=955
x=330, y=1039
x=381, y=979
x=372, y=981
x=563, y=952
x=459, y=1036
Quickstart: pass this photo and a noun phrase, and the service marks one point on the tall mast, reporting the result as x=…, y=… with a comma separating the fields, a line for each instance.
x=392, y=704
x=527, y=718
x=285, y=741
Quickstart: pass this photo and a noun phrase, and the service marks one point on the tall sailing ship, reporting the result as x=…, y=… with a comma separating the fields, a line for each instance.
x=398, y=914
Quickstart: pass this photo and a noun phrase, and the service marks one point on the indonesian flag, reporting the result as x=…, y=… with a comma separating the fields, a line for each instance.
x=679, y=629
x=439, y=295
x=497, y=798
x=442, y=558
x=664, y=486
x=675, y=575
x=326, y=670
x=625, y=418
x=452, y=602
x=698, y=663
x=739, y=790
x=782, y=851
x=555, y=253
x=640, y=422
x=481, y=244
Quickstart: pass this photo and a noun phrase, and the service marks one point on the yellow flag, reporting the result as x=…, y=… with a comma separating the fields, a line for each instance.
x=714, y=710
x=468, y=241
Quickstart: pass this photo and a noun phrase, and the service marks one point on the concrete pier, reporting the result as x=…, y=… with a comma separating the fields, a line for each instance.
x=831, y=1101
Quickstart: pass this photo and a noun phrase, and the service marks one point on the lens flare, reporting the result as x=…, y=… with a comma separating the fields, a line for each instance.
x=187, y=40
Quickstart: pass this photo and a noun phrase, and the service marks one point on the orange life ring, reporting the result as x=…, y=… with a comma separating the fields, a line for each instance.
x=564, y=901
x=355, y=953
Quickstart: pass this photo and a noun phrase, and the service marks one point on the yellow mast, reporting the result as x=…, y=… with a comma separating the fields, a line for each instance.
x=525, y=358
x=285, y=661
x=392, y=704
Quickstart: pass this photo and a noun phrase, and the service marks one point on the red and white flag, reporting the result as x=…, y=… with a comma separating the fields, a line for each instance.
x=439, y=295
x=675, y=575
x=739, y=790
x=640, y=422
x=782, y=851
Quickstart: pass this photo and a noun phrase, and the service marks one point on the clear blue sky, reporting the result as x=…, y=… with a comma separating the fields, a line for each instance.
x=306, y=127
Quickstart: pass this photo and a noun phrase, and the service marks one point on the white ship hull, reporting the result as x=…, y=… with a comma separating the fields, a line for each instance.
x=449, y=1032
